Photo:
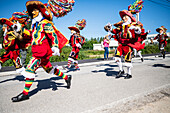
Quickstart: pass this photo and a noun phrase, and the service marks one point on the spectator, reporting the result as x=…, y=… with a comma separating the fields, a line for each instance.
x=106, y=42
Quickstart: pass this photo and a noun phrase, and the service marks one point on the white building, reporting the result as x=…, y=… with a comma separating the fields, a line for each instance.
x=152, y=36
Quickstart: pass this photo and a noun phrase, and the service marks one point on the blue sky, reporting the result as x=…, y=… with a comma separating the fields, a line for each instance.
x=98, y=13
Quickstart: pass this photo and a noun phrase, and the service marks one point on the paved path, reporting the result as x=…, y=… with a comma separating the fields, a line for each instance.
x=94, y=89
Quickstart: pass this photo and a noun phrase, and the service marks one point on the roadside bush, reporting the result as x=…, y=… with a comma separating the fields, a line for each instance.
x=149, y=49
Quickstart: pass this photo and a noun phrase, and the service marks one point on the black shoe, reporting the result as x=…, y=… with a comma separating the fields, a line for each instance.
x=20, y=97
x=120, y=73
x=142, y=59
x=128, y=76
x=163, y=55
x=68, y=81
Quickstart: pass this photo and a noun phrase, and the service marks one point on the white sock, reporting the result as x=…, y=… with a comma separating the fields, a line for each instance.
x=139, y=53
x=129, y=67
x=135, y=52
x=129, y=70
x=0, y=66
x=119, y=63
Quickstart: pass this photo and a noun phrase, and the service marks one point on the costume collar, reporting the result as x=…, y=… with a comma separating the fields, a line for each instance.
x=37, y=19
x=161, y=33
x=74, y=32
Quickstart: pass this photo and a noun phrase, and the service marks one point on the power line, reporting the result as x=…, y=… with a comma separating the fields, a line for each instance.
x=166, y=6
x=166, y=1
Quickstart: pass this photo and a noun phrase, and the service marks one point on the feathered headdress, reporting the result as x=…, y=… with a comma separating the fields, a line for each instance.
x=80, y=24
x=60, y=8
x=21, y=17
x=136, y=7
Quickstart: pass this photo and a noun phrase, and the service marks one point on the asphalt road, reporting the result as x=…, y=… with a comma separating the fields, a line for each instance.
x=94, y=88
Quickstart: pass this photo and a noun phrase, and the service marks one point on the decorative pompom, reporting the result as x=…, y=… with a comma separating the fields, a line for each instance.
x=81, y=24
x=136, y=7
x=21, y=17
x=60, y=8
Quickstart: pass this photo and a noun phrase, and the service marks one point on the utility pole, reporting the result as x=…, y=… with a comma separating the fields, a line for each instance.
x=137, y=16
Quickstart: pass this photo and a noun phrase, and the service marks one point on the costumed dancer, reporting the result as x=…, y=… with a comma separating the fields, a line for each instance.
x=161, y=38
x=10, y=44
x=126, y=34
x=24, y=20
x=46, y=41
x=76, y=42
x=141, y=38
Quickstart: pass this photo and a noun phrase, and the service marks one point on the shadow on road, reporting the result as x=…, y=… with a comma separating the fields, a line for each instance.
x=150, y=59
x=106, y=65
x=161, y=65
x=19, y=78
x=42, y=84
x=46, y=84
x=108, y=71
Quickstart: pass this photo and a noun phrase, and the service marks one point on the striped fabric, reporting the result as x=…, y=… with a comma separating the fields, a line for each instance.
x=76, y=65
x=60, y=74
x=28, y=83
x=69, y=63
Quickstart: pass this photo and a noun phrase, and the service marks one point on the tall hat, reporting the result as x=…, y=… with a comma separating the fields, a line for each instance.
x=80, y=24
x=31, y=5
x=6, y=21
x=161, y=28
x=128, y=13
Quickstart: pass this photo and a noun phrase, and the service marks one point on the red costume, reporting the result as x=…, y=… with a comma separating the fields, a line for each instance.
x=76, y=42
x=10, y=44
x=161, y=38
x=44, y=36
x=127, y=33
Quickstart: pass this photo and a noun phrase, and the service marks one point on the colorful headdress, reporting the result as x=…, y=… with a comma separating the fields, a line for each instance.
x=125, y=12
x=60, y=8
x=161, y=28
x=136, y=7
x=21, y=17
x=80, y=24
x=6, y=21
x=31, y=5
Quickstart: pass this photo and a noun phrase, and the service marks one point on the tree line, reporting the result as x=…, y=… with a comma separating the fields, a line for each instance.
x=89, y=42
